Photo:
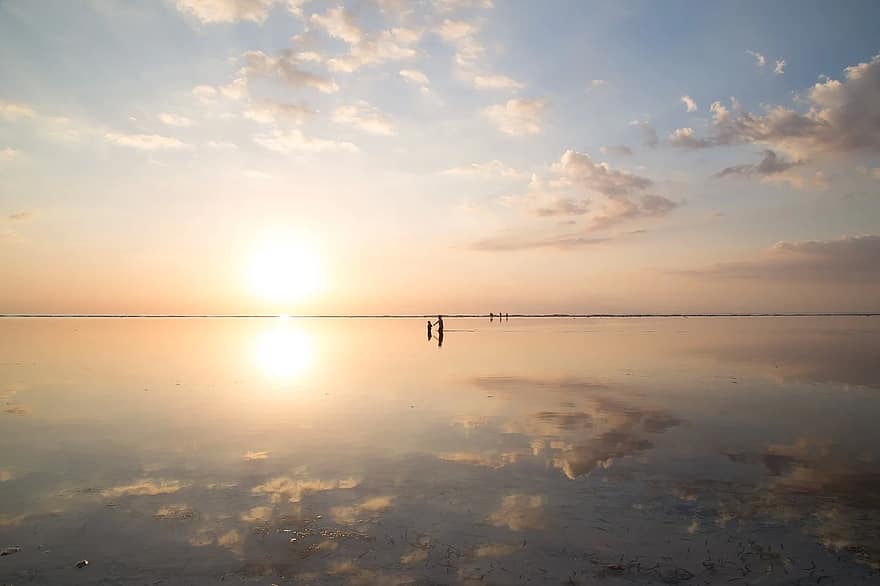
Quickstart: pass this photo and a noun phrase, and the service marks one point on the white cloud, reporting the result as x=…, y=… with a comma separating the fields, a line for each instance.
x=414, y=76
x=291, y=141
x=296, y=6
x=687, y=138
x=235, y=90
x=496, y=82
x=365, y=117
x=205, y=93
x=780, y=67
x=174, y=120
x=227, y=11
x=15, y=111
x=843, y=116
x=365, y=48
x=455, y=30
x=599, y=177
x=517, y=117
x=689, y=103
x=146, y=142
x=285, y=68
x=760, y=60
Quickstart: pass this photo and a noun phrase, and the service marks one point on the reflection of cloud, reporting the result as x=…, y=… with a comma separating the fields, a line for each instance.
x=252, y=456
x=146, y=487
x=177, y=512
x=6, y=475
x=597, y=430
x=814, y=356
x=368, y=509
x=293, y=490
x=845, y=501
x=519, y=512
x=495, y=550
x=257, y=515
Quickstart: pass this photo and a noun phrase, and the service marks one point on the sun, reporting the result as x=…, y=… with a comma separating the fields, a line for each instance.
x=282, y=272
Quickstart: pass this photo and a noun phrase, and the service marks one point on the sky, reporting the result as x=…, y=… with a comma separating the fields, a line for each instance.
x=386, y=156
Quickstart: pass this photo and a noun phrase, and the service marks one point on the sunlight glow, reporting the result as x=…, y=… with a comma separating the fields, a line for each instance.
x=282, y=271
x=283, y=351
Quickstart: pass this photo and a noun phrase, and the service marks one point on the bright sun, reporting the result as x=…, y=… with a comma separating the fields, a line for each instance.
x=284, y=272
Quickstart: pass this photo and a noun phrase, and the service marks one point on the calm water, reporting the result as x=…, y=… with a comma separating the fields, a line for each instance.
x=356, y=451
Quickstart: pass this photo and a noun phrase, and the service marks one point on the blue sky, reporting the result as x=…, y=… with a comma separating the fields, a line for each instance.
x=439, y=154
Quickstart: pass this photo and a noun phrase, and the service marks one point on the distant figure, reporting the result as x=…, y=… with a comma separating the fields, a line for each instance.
x=507, y=316
x=440, y=337
x=430, y=325
x=440, y=325
x=492, y=316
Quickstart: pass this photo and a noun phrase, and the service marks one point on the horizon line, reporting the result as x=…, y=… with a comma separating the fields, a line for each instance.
x=429, y=315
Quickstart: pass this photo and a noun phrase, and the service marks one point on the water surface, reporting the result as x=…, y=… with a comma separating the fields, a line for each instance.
x=180, y=451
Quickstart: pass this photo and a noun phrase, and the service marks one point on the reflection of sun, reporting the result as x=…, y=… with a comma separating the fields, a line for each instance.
x=283, y=272
x=282, y=352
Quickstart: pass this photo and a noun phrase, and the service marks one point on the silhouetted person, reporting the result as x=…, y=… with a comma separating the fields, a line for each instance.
x=440, y=325
x=440, y=336
x=492, y=317
x=430, y=325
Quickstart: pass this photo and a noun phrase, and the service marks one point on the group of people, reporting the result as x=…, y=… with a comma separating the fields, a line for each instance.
x=501, y=316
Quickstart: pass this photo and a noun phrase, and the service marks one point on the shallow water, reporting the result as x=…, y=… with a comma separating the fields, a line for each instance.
x=163, y=451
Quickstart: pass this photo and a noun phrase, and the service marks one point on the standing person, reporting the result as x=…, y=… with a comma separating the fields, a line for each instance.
x=440, y=325
x=430, y=325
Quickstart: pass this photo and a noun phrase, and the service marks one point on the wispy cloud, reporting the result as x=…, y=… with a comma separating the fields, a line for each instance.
x=518, y=117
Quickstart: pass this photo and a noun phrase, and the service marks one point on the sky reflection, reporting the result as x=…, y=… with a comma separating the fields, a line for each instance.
x=589, y=448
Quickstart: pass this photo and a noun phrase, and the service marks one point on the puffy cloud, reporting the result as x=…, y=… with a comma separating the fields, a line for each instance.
x=616, y=149
x=364, y=117
x=296, y=6
x=844, y=116
x=364, y=48
x=517, y=117
x=493, y=168
x=770, y=164
x=174, y=120
x=687, y=138
x=780, y=67
x=849, y=258
x=760, y=60
x=146, y=142
x=414, y=76
x=224, y=11
x=205, y=93
x=599, y=177
x=624, y=191
x=647, y=132
x=235, y=90
x=291, y=141
x=286, y=68
x=689, y=103
x=15, y=111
